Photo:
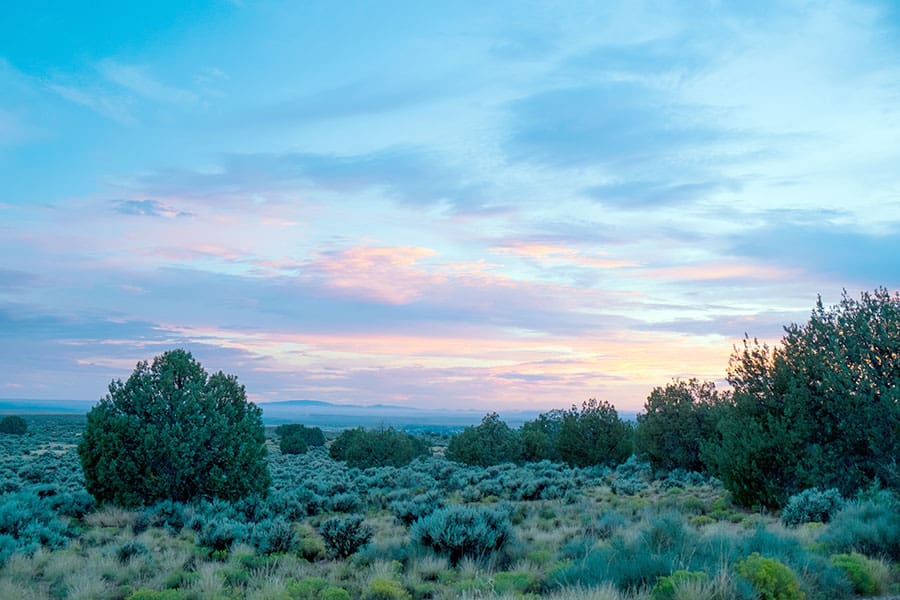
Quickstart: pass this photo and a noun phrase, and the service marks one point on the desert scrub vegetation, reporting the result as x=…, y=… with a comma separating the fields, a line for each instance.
x=430, y=529
x=784, y=487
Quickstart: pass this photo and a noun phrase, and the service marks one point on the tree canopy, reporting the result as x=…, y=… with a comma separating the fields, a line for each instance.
x=820, y=410
x=489, y=443
x=594, y=435
x=677, y=419
x=173, y=432
x=381, y=447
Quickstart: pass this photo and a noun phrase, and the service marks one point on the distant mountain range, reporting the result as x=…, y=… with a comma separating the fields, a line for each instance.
x=318, y=413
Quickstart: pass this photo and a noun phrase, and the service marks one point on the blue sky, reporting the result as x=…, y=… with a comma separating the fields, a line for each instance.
x=519, y=205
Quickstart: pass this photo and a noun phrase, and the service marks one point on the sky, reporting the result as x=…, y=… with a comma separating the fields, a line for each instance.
x=505, y=205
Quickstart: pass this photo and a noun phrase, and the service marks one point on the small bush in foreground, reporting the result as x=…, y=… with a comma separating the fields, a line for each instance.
x=462, y=531
x=345, y=535
x=871, y=527
x=667, y=587
x=771, y=579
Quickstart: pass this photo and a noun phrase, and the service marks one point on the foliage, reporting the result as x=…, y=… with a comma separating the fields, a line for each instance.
x=27, y=522
x=632, y=476
x=540, y=438
x=858, y=571
x=594, y=435
x=296, y=438
x=811, y=506
x=770, y=578
x=516, y=582
x=381, y=447
x=490, y=443
x=274, y=536
x=172, y=432
x=870, y=526
x=381, y=588
x=677, y=419
x=462, y=531
x=823, y=409
x=345, y=535
x=667, y=587
x=13, y=425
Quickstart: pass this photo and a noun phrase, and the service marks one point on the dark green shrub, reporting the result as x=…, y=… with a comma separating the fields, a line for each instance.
x=345, y=535
x=811, y=506
x=594, y=435
x=460, y=531
x=131, y=549
x=490, y=443
x=820, y=410
x=13, y=425
x=676, y=421
x=172, y=432
x=364, y=448
x=771, y=579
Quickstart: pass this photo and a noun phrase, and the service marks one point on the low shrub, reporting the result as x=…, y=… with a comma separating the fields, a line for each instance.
x=381, y=588
x=812, y=506
x=275, y=536
x=130, y=550
x=462, y=531
x=771, y=579
x=858, y=571
x=668, y=586
x=870, y=526
x=345, y=535
x=516, y=582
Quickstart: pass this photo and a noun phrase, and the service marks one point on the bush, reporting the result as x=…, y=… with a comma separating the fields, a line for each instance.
x=676, y=421
x=516, y=583
x=172, y=432
x=297, y=439
x=490, y=443
x=667, y=587
x=364, y=448
x=631, y=476
x=410, y=511
x=811, y=506
x=820, y=410
x=595, y=435
x=859, y=571
x=771, y=579
x=13, y=425
x=345, y=535
x=385, y=589
x=275, y=536
x=870, y=526
x=462, y=531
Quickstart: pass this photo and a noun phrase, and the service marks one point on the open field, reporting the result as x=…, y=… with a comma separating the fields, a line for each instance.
x=564, y=533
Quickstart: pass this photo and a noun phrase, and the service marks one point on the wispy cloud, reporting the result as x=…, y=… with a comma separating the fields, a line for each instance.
x=148, y=208
x=138, y=80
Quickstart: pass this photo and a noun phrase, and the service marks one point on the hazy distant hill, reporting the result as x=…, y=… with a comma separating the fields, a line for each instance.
x=318, y=413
